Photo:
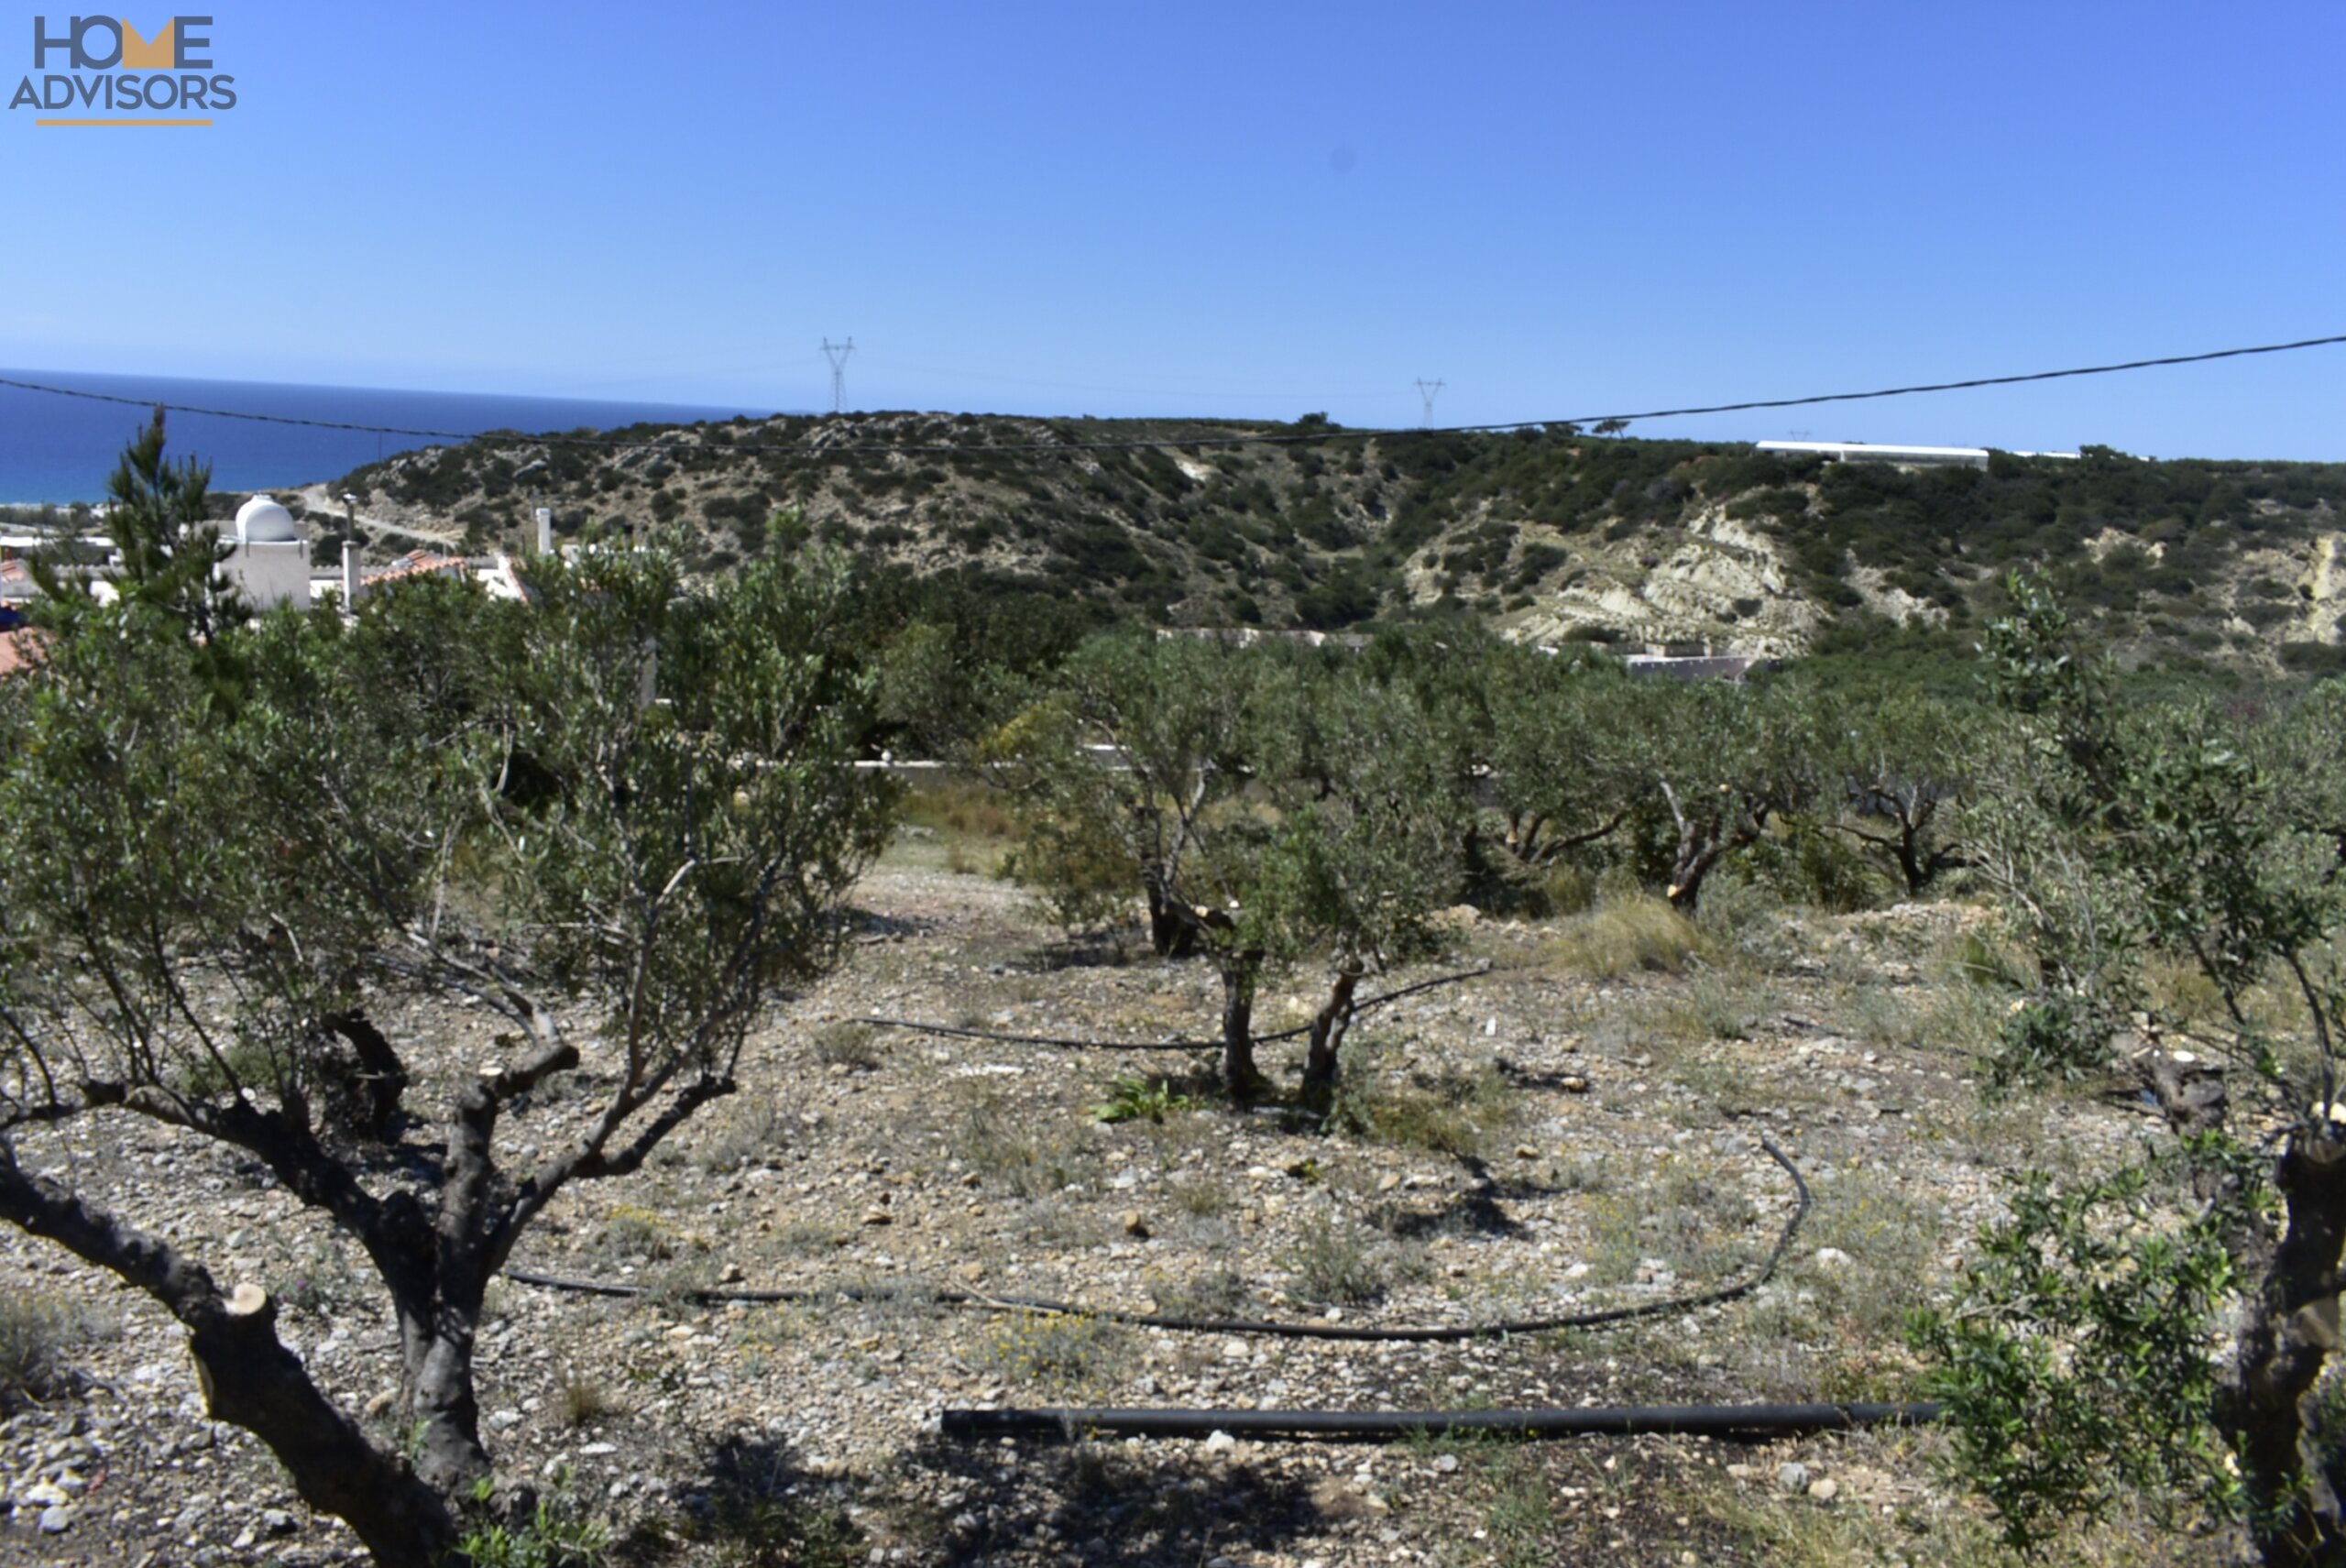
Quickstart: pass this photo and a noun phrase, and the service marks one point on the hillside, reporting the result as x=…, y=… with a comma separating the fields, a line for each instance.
x=1552, y=534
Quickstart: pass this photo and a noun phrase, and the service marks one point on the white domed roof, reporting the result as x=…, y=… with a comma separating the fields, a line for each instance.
x=262, y=520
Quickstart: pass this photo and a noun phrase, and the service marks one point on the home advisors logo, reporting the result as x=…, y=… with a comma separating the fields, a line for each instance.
x=137, y=78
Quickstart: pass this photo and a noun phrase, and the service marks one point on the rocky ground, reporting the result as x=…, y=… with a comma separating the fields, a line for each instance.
x=1578, y=1128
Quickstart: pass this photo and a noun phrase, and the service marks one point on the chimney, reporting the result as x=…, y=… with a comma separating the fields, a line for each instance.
x=350, y=580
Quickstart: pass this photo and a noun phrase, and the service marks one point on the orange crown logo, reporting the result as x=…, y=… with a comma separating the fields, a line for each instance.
x=140, y=54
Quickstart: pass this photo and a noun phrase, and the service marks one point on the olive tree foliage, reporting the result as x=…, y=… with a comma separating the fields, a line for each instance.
x=1543, y=745
x=2131, y=836
x=2303, y=752
x=1361, y=851
x=1721, y=764
x=1451, y=672
x=1267, y=806
x=1119, y=762
x=1567, y=753
x=1901, y=762
x=219, y=918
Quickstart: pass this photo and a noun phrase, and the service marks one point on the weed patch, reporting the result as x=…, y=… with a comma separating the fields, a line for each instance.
x=990, y=1139
x=1631, y=936
x=1445, y=1112
x=322, y=1284
x=1711, y=1009
x=1336, y=1264
x=1056, y=1350
x=37, y=1335
x=1207, y=1293
x=852, y=1046
x=758, y=1510
x=754, y=1133
x=966, y=808
x=631, y=1231
x=1139, y=1099
x=1690, y=1221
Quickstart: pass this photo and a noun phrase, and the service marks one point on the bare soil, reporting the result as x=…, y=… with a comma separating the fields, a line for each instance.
x=1541, y=1139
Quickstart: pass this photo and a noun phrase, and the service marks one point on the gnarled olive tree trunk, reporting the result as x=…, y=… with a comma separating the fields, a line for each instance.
x=1240, y=1075
x=249, y=1377
x=1321, y=1065
x=2288, y=1326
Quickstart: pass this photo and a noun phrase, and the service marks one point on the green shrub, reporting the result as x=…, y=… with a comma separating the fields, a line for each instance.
x=557, y=1534
x=2076, y=1364
x=2317, y=660
x=2054, y=1036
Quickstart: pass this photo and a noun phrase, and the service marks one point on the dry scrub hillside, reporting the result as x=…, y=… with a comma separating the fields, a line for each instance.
x=1552, y=534
x=1578, y=1128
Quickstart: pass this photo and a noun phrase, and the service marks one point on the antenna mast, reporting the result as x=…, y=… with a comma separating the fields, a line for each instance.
x=1428, y=390
x=837, y=354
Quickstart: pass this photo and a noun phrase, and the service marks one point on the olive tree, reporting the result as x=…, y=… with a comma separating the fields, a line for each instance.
x=1268, y=806
x=1720, y=763
x=219, y=912
x=2303, y=752
x=1565, y=757
x=1902, y=759
x=1119, y=763
x=2088, y=1348
x=1540, y=746
x=1359, y=852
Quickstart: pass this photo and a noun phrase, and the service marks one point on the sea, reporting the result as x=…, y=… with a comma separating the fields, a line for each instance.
x=58, y=449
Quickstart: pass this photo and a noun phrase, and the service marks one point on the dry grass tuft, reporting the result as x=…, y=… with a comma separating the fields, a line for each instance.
x=35, y=1333
x=1007, y=1151
x=855, y=1046
x=1336, y=1263
x=582, y=1399
x=1628, y=937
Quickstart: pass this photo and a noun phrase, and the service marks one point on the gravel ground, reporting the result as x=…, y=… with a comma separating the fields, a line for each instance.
x=1539, y=1141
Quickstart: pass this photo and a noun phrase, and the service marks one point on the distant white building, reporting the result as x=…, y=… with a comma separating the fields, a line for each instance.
x=268, y=559
x=1903, y=457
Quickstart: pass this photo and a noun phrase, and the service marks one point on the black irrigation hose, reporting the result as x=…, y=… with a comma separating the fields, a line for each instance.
x=916, y=1026
x=1264, y=1329
x=1387, y=1426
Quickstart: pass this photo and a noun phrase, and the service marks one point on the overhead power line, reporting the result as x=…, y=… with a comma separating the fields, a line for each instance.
x=815, y=449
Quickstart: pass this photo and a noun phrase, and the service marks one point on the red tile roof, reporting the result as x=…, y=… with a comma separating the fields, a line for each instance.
x=418, y=563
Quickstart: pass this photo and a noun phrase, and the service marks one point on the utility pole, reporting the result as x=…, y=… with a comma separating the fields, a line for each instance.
x=352, y=577
x=1428, y=390
x=837, y=354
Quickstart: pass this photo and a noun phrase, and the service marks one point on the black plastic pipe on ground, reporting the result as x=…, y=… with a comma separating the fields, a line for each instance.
x=1388, y=1426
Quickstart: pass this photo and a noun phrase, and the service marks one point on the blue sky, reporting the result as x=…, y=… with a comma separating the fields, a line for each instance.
x=1243, y=210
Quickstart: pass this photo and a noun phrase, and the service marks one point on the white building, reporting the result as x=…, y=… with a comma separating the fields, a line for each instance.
x=1903, y=457
x=270, y=559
